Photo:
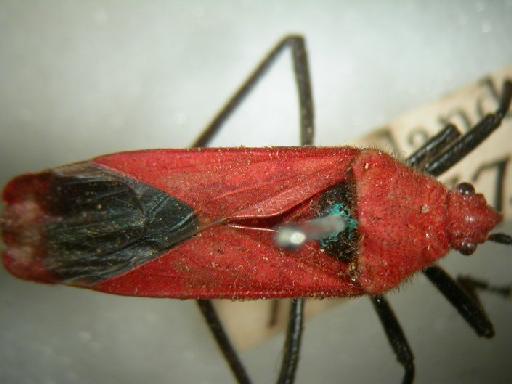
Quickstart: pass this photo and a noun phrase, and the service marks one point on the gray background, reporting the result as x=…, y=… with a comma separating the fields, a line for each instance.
x=78, y=79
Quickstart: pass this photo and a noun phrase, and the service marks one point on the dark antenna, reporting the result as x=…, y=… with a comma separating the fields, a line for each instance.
x=500, y=238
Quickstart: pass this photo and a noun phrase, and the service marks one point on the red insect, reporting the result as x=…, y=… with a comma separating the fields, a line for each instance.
x=207, y=211
x=202, y=223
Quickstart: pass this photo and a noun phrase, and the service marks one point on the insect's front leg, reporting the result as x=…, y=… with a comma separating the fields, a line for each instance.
x=463, y=145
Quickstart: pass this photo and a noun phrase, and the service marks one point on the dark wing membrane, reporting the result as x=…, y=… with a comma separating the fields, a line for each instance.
x=98, y=224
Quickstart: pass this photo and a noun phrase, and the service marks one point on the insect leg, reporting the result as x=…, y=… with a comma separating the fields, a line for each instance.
x=396, y=336
x=223, y=342
x=274, y=311
x=302, y=79
x=292, y=343
x=470, y=309
x=465, y=144
x=434, y=146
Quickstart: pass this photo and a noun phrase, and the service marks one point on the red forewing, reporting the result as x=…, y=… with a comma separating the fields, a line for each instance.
x=237, y=183
x=241, y=187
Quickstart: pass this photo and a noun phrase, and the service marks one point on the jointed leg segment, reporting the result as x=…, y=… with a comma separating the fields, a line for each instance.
x=461, y=147
x=396, y=336
x=302, y=81
x=468, y=308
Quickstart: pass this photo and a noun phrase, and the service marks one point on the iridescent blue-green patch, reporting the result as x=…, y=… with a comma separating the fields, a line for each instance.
x=341, y=201
x=351, y=224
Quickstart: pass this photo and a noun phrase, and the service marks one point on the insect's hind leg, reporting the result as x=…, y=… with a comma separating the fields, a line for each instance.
x=307, y=129
x=222, y=339
x=292, y=343
x=396, y=336
x=297, y=45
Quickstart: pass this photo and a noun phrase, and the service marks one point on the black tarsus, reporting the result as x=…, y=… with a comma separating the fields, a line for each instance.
x=274, y=313
x=396, y=336
x=222, y=339
x=307, y=130
x=474, y=137
x=468, y=307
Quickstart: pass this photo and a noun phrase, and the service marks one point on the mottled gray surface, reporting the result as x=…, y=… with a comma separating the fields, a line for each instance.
x=83, y=78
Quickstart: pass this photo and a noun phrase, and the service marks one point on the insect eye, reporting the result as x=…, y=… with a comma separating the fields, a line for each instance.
x=465, y=189
x=467, y=249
